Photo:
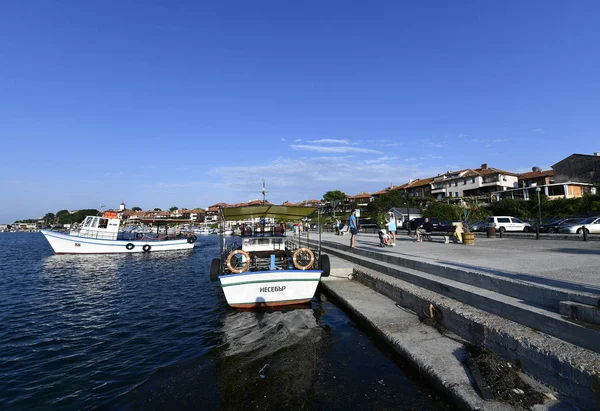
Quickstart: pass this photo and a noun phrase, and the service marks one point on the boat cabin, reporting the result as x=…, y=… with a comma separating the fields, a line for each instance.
x=253, y=244
x=99, y=227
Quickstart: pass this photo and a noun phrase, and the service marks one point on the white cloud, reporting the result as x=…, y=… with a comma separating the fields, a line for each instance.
x=166, y=186
x=537, y=130
x=298, y=140
x=383, y=159
x=389, y=144
x=295, y=179
x=329, y=141
x=283, y=139
x=488, y=142
x=117, y=174
x=333, y=149
x=432, y=143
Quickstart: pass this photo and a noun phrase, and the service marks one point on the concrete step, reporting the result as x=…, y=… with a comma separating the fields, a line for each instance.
x=534, y=293
x=572, y=370
x=515, y=309
x=588, y=314
x=439, y=357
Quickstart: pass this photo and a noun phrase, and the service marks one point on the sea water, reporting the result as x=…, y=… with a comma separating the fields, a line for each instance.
x=151, y=331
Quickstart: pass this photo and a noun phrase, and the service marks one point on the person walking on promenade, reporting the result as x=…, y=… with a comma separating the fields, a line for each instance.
x=391, y=227
x=353, y=228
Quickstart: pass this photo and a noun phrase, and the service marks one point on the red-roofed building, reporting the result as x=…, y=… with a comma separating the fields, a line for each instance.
x=472, y=182
x=536, y=178
x=359, y=200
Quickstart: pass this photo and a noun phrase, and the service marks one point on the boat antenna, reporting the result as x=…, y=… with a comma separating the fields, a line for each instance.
x=101, y=207
x=264, y=192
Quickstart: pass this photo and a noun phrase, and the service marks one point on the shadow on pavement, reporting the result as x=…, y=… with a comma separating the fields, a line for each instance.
x=528, y=278
x=575, y=251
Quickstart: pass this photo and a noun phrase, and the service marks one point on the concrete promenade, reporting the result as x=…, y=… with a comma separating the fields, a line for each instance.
x=502, y=294
x=557, y=263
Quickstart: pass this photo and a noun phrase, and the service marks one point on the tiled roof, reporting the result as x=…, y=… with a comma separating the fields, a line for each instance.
x=490, y=170
x=401, y=187
x=360, y=195
x=421, y=182
x=536, y=174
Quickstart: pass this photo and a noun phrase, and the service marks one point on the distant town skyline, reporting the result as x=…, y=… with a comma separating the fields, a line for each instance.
x=169, y=104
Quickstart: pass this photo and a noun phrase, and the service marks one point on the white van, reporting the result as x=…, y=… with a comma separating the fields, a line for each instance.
x=507, y=223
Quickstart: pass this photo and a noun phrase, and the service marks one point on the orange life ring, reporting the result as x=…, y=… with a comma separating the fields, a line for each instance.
x=244, y=267
x=295, y=259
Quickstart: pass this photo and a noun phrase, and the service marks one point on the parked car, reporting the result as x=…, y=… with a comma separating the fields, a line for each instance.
x=554, y=226
x=478, y=226
x=417, y=222
x=590, y=225
x=507, y=223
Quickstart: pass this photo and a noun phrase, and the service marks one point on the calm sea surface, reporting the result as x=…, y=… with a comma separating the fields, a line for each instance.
x=151, y=331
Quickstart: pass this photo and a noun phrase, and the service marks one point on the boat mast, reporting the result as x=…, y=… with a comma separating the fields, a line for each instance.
x=264, y=192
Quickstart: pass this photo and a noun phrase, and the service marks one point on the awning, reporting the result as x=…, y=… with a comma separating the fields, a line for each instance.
x=277, y=212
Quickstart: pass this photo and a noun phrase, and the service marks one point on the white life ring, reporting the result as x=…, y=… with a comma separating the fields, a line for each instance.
x=297, y=263
x=241, y=269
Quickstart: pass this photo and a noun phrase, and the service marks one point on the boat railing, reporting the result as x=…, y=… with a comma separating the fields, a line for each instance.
x=98, y=235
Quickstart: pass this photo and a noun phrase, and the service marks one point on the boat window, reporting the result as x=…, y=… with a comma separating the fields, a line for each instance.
x=88, y=221
x=103, y=223
x=95, y=222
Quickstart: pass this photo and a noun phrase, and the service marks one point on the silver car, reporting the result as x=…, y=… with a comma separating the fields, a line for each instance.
x=590, y=225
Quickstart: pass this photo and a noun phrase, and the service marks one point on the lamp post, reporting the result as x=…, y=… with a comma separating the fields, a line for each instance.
x=407, y=214
x=537, y=189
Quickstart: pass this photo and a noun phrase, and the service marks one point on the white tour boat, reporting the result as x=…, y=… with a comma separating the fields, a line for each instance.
x=101, y=235
x=267, y=268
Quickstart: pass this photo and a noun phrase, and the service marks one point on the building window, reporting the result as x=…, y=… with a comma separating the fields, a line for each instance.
x=456, y=194
x=465, y=182
x=456, y=183
x=473, y=180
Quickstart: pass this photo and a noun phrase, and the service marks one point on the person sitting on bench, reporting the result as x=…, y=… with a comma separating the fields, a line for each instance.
x=425, y=230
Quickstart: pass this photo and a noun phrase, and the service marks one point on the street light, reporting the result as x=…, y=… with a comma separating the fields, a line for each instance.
x=537, y=189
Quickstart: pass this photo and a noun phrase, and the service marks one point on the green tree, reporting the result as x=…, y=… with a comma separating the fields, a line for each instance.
x=157, y=209
x=80, y=215
x=510, y=207
x=49, y=218
x=63, y=217
x=136, y=209
x=173, y=209
x=382, y=203
x=335, y=195
x=443, y=211
x=334, y=198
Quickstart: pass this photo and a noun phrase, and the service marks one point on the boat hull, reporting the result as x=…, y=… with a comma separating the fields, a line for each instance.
x=70, y=244
x=270, y=288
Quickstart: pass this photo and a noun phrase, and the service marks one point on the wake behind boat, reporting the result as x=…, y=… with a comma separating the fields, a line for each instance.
x=267, y=268
x=101, y=235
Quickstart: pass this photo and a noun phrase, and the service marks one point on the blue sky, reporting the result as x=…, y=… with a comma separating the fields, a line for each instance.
x=186, y=104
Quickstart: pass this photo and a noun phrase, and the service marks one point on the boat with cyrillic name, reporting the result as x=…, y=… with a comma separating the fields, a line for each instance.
x=263, y=266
